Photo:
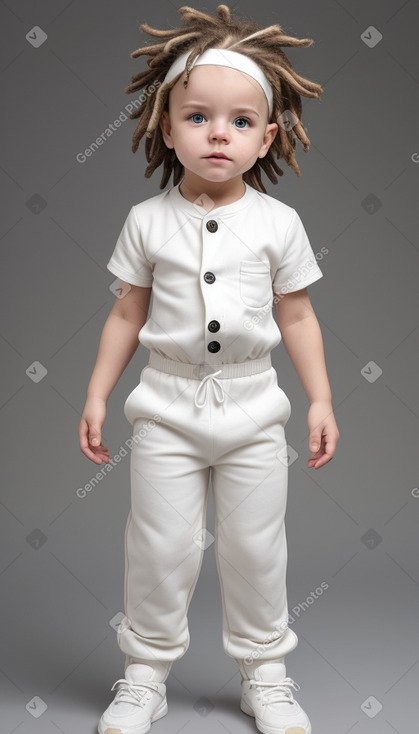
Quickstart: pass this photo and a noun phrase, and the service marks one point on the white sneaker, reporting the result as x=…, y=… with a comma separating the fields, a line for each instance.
x=268, y=697
x=138, y=702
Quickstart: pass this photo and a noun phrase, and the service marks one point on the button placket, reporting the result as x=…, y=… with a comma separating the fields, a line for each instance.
x=209, y=277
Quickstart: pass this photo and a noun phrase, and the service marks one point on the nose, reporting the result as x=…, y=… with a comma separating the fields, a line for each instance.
x=219, y=130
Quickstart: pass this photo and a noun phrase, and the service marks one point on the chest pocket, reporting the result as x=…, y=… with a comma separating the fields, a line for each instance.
x=255, y=283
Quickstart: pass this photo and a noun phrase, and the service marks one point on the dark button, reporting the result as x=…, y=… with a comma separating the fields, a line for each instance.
x=212, y=225
x=214, y=325
x=214, y=347
x=209, y=277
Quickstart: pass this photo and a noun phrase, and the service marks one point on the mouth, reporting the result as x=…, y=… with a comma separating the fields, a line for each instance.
x=217, y=156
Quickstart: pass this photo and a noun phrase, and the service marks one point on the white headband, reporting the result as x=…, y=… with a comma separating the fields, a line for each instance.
x=224, y=57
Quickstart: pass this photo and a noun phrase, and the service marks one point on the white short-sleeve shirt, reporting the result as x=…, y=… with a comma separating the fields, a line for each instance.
x=214, y=273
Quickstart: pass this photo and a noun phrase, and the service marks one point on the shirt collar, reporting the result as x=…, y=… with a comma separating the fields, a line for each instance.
x=179, y=202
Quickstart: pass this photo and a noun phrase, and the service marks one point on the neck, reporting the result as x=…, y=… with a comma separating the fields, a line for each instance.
x=218, y=193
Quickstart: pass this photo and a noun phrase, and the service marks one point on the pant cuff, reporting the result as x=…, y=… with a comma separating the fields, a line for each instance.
x=161, y=668
x=247, y=670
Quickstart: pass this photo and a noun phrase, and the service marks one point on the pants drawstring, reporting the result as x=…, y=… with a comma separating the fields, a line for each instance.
x=196, y=371
x=216, y=387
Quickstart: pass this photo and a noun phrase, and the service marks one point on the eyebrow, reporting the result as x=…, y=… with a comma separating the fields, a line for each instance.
x=205, y=106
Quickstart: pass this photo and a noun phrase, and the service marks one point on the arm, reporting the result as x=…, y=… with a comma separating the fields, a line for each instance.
x=303, y=341
x=119, y=340
x=118, y=343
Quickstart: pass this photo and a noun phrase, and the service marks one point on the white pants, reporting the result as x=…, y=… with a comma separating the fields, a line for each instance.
x=184, y=425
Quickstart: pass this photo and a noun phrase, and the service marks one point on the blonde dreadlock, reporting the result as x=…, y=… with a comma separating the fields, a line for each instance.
x=200, y=33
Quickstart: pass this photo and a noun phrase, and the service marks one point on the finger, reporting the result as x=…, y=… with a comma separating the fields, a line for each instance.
x=96, y=458
x=83, y=429
x=315, y=442
x=95, y=435
x=324, y=459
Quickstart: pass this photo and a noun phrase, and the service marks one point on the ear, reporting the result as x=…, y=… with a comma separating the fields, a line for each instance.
x=166, y=129
x=269, y=137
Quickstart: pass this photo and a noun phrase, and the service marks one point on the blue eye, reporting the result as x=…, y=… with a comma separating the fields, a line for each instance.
x=241, y=119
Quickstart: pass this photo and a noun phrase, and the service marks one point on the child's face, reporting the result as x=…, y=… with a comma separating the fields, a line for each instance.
x=210, y=116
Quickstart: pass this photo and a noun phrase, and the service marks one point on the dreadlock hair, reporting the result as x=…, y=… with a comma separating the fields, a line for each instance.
x=201, y=32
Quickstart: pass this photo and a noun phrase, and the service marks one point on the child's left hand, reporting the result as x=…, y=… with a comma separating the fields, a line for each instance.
x=323, y=432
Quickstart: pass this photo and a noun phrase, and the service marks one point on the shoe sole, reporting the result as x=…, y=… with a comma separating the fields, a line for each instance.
x=158, y=714
x=269, y=729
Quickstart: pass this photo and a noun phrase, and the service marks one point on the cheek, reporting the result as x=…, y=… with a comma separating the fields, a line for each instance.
x=183, y=149
x=249, y=143
x=177, y=139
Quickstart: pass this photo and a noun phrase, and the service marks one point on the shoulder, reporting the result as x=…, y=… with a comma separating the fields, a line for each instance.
x=151, y=205
x=271, y=207
x=270, y=203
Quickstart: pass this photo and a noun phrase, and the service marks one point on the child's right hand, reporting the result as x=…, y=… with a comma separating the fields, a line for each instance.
x=90, y=430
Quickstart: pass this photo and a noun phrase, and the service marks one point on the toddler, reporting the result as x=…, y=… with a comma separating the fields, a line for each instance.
x=212, y=255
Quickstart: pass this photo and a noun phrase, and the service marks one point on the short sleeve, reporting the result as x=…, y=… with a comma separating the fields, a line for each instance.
x=298, y=267
x=128, y=260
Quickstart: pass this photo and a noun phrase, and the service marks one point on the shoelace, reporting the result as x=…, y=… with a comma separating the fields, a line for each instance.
x=203, y=385
x=128, y=691
x=278, y=693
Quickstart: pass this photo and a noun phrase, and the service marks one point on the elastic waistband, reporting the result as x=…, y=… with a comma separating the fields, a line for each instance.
x=199, y=371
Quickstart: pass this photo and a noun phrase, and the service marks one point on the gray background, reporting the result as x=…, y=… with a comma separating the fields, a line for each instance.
x=352, y=524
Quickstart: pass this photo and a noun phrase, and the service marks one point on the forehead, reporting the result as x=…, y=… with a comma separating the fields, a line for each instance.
x=216, y=85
